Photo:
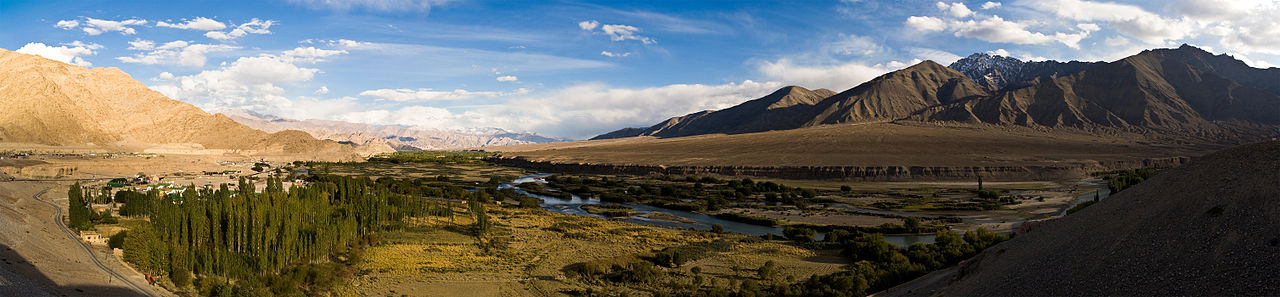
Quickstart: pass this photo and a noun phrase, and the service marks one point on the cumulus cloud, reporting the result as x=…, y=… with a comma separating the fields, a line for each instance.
x=1000, y=52
x=67, y=24
x=254, y=26
x=615, y=32
x=990, y=5
x=322, y=90
x=246, y=83
x=834, y=76
x=1130, y=20
x=70, y=53
x=427, y=94
x=588, y=25
x=199, y=23
x=373, y=5
x=926, y=23
x=955, y=9
x=94, y=26
x=508, y=78
x=999, y=30
x=613, y=54
x=176, y=52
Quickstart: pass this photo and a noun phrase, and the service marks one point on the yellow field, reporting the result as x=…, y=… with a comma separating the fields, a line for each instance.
x=439, y=258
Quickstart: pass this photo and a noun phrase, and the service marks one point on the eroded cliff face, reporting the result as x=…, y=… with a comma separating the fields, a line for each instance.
x=1066, y=171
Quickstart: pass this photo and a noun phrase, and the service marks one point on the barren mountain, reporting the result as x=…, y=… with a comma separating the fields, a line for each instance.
x=998, y=72
x=888, y=97
x=52, y=103
x=1145, y=91
x=397, y=137
x=1207, y=227
x=1184, y=91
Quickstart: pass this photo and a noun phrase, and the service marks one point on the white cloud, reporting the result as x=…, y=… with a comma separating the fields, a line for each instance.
x=247, y=82
x=199, y=23
x=94, y=26
x=254, y=26
x=508, y=78
x=427, y=94
x=585, y=110
x=615, y=32
x=999, y=30
x=71, y=53
x=941, y=57
x=613, y=54
x=853, y=45
x=990, y=5
x=177, y=52
x=926, y=23
x=956, y=9
x=588, y=25
x=837, y=76
x=1000, y=52
x=67, y=24
x=373, y=5
x=1116, y=41
x=1130, y=20
x=322, y=90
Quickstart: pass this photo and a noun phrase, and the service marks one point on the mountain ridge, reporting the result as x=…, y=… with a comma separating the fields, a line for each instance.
x=1184, y=91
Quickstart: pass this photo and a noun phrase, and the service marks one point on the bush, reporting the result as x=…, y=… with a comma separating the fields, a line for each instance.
x=800, y=234
x=116, y=241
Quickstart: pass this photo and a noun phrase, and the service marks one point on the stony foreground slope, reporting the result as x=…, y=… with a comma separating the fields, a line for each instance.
x=1207, y=228
x=52, y=103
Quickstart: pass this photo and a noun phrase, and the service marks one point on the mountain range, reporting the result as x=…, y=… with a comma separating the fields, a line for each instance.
x=397, y=137
x=1184, y=91
x=52, y=103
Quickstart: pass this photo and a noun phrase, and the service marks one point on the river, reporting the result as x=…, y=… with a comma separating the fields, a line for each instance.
x=574, y=204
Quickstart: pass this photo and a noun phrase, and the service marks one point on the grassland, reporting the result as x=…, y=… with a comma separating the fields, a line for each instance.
x=535, y=247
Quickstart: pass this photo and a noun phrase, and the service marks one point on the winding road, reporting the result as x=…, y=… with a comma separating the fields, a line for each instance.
x=57, y=219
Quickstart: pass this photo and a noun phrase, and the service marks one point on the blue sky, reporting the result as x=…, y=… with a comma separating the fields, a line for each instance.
x=576, y=69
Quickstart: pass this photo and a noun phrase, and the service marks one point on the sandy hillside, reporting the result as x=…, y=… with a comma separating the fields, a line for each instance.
x=58, y=104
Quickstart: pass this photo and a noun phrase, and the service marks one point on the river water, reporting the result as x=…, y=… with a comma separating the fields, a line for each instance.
x=574, y=204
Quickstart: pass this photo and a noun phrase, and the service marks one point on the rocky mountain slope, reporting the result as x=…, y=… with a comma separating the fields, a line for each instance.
x=998, y=72
x=1146, y=91
x=397, y=137
x=888, y=97
x=1205, y=228
x=1184, y=92
x=52, y=103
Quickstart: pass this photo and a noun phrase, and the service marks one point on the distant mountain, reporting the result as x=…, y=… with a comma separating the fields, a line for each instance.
x=998, y=72
x=888, y=97
x=53, y=103
x=397, y=137
x=1185, y=91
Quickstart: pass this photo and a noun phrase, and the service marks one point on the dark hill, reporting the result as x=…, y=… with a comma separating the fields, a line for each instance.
x=1206, y=228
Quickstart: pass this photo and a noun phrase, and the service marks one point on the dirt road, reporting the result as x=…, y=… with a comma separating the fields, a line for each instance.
x=44, y=256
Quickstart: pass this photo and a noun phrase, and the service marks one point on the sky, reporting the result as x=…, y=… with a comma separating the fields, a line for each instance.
x=577, y=69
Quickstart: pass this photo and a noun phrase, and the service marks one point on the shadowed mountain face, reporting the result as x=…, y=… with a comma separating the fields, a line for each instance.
x=1147, y=91
x=53, y=103
x=888, y=97
x=1000, y=72
x=1184, y=91
x=1207, y=227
